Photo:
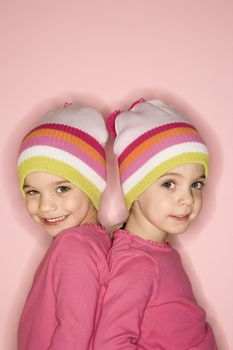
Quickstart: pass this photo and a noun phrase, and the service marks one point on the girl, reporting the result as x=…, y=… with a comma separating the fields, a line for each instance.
x=61, y=170
x=149, y=303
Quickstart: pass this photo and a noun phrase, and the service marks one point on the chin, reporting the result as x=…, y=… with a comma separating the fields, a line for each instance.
x=52, y=233
x=178, y=231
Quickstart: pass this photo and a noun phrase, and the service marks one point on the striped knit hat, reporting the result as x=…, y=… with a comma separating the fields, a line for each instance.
x=68, y=142
x=151, y=139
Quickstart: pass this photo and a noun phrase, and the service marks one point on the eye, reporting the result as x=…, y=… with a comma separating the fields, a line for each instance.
x=31, y=193
x=198, y=185
x=168, y=185
x=63, y=189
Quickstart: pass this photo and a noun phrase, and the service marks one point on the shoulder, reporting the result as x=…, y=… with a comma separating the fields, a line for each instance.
x=88, y=235
x=133, y=263
x=127, y=246
x=82, y=243
x=132, y=269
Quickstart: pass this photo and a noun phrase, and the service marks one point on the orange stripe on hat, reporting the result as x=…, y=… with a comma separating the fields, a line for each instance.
x=81, y=144
x=143, y=147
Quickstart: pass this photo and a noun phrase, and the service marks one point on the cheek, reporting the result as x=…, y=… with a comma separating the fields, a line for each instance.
x=30, y=206
x=155, y=208
x=198, y=203
x=76, y=205
x=163, y=203
x=153, y=202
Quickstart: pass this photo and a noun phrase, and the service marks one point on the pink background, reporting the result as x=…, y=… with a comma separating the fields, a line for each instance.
x=109, y=53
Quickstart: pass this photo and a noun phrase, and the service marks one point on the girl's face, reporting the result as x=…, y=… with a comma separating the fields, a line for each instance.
x=172, y=202
x=55, y=203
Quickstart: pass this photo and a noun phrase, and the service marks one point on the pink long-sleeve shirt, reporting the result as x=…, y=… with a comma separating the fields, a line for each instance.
x=149, y=303
x=61, y=307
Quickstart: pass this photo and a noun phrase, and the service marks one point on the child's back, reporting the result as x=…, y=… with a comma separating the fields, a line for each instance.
x=65, y=291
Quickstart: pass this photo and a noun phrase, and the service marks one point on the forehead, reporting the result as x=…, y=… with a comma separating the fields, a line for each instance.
x=38, y=178
x=188, y=170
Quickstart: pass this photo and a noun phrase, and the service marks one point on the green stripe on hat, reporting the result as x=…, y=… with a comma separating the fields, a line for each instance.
x=59, y=168
x=161, y=169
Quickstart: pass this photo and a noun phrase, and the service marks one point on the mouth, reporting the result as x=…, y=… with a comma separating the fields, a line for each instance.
x=54, y=221
x=181, y=218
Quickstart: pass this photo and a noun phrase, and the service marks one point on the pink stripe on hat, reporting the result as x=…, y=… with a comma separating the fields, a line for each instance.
x=158, y=147
x=147, y=135
x=157, y=127
x=72, y=131
x=74, y=136
x=69, y=148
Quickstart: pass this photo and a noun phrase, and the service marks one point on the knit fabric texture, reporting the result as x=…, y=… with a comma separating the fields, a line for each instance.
x=151, y=139
x=68, y=142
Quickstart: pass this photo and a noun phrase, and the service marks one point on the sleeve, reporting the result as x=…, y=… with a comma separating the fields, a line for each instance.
x=131, y=287
x=76, y=288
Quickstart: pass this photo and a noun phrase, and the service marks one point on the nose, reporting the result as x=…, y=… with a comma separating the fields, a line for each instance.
x=47, y=203
x=186, y=197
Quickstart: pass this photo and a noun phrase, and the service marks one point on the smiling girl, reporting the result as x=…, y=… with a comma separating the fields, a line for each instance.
x=55, y=203
x=149, y=303
x=61, y=169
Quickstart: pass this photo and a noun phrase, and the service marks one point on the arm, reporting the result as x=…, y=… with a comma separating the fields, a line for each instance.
x=76, y=288
x=130, y=289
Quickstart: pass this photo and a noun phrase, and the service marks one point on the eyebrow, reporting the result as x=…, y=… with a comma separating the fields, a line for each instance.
x=57, y=183
x=203, y=177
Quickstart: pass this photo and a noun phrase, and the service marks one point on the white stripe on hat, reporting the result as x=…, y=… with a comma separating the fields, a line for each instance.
x=161, y=157
x=132, y=124
x=67, y=158
x=86, y=119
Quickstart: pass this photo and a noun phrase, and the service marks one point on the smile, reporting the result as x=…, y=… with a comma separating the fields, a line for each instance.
x=54, y=221
x=180, y=217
